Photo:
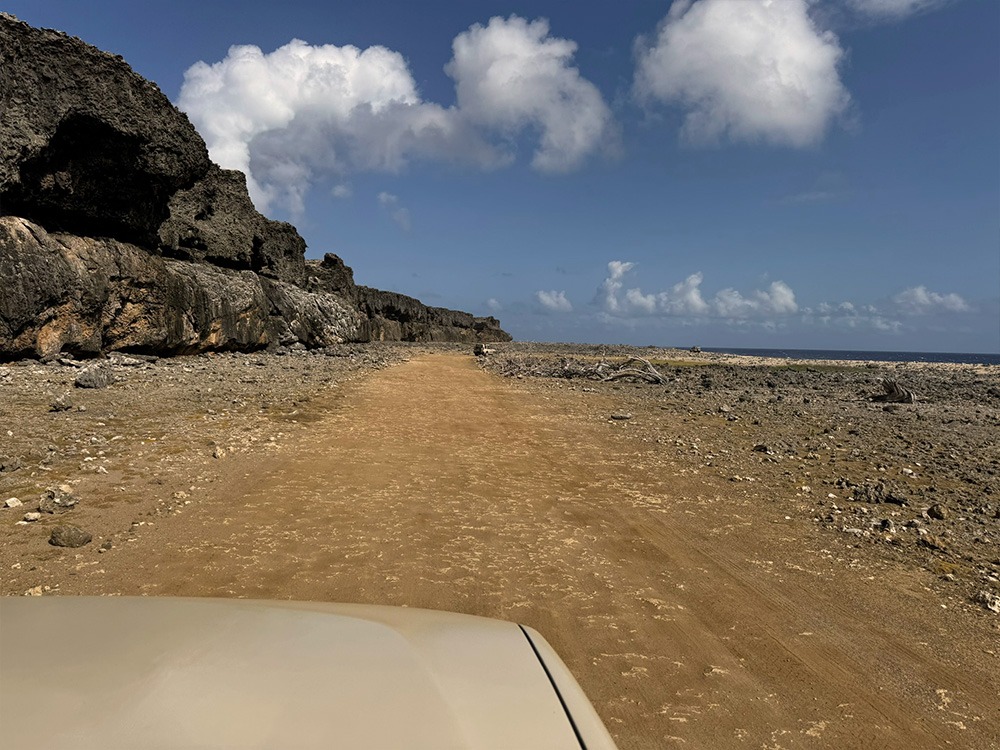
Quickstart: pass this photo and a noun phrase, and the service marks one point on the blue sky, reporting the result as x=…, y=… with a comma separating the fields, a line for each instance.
x=744, y=173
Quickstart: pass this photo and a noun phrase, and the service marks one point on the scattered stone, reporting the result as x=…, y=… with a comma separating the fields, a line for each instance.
x=69, y=536
x=762, y=448
x=96, y=377
x=106, y=546
x=61, y=403
x=32, y=516
x=938, y=512
x=621, y=416
x=932, y=541
x=9, y=463
x=218, y=453
x=57, y=500
x=877, y=493
x=989, y=600
x=12, y=502
x=34, y=591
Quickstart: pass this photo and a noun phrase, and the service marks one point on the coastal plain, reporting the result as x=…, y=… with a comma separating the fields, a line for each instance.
x=746, y=553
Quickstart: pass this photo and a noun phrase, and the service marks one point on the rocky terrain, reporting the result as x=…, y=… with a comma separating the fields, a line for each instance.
x=138, y=433
x=909, y=482
x=743, y=553
x=117, y=233
x=916, y=483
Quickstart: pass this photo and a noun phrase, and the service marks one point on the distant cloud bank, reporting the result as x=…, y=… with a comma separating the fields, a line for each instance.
x=767, y=306
x=685, y=299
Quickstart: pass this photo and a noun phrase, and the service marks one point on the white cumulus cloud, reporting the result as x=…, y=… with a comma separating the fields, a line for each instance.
x=510, y=74
x=301, y=112
x=746, y=70
x=554, y=301
x=607, y=293
x=919, y=300
x=684, y=298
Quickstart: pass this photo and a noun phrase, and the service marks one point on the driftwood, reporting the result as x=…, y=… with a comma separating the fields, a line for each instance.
x=648, y=373
x=894, y=393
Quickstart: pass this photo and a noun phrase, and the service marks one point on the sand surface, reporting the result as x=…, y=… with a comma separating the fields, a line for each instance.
x=694, y=610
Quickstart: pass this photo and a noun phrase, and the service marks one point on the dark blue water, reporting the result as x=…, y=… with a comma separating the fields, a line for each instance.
x=972, y=359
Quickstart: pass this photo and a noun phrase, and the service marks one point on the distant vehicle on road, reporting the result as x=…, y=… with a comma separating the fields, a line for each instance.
x=114, y=672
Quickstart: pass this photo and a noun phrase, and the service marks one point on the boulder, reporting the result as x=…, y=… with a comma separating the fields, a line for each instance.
x=69, y=536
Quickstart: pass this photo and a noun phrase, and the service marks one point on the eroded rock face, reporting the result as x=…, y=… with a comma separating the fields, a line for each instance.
x=87, y=145
x=63, y=293
x=390, y=316
x=118, y=233
x=215, y=222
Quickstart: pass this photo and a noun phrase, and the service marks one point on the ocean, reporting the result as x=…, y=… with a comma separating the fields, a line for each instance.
x=971, y=359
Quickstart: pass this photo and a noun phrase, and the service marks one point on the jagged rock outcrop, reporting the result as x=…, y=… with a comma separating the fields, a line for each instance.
x=117, y=232
x=214, y=221
x=87, y=145
x=390, y=316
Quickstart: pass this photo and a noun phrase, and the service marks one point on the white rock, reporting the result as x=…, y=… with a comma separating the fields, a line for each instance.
x=12, y=502
x=33, y=516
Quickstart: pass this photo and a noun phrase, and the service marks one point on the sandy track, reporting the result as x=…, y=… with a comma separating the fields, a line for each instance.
x=689, y=617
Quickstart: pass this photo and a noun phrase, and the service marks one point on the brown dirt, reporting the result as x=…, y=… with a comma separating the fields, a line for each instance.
x=692, y=610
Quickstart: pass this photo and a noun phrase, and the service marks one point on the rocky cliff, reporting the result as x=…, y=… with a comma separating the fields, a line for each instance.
x=118, y=232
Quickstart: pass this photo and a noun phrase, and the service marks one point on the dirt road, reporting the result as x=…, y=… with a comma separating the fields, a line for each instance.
x=690, y=616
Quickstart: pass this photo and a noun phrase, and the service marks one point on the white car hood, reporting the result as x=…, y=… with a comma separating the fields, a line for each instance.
x=207, y=673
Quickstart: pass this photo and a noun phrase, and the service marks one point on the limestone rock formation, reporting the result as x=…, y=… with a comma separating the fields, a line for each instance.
x=117, y=232
x=215, y=222
x=86, y=144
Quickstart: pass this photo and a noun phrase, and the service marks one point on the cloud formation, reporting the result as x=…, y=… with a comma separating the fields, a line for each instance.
x=744, y=70
x=301, y=112
x=772, y=305
x=554, y=301
x=685, y=299
x=919, y=300
x=511, y=74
